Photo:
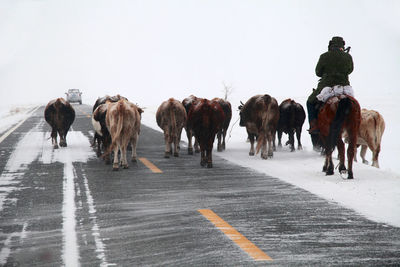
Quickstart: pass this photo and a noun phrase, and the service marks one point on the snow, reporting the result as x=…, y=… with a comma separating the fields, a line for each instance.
x=374, y=193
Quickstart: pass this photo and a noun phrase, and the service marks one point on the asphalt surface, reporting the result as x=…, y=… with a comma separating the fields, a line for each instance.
x=135, y=217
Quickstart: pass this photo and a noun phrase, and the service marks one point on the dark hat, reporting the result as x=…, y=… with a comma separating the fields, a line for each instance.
x=336, y=41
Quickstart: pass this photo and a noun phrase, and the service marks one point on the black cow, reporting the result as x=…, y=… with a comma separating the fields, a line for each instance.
x=227, y=108
x=291, y=120
x=59, y=114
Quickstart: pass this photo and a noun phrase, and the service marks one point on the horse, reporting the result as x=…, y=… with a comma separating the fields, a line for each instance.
x=338, y=115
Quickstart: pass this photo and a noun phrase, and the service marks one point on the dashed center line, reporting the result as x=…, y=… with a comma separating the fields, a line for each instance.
x=150, y=165
x=251, y=249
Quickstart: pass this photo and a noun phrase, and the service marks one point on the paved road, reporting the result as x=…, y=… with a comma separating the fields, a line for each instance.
x=66, y=207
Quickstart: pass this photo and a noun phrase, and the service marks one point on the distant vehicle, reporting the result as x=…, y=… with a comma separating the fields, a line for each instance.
x=74, y=95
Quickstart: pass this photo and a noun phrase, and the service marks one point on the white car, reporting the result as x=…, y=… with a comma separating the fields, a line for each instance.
x=74, y=95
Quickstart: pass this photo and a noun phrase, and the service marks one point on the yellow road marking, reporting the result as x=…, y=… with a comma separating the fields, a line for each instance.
x=150, y=165
x=251, y=249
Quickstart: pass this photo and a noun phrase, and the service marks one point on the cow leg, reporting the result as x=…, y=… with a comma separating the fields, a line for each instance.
x=270, y=145
x=203, y=158
x=375, y=155
x=176, y=144
x=63, y=141
x=279, y=138
x=54, y=138
x=209, y=158
x=167, y=151
x=291, y=140
x=251, y=139
x=189, y=137
x=219, y=145
x=363, y=152
x=133, y=145
x=115, y=162
x=196, y=146
x=124, y=161
x=223, y=138
x=298, y=136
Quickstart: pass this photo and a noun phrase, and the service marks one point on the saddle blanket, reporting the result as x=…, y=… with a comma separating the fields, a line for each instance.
x=328, y=92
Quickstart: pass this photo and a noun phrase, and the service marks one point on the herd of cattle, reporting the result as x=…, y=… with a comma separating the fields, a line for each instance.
x=116, y=122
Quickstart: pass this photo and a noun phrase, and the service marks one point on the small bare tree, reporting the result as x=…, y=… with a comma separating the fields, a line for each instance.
x=227, y=90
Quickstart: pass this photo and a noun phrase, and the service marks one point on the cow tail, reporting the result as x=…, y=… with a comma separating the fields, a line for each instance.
x=380, y=128
x=173, y=121
x=344, y=108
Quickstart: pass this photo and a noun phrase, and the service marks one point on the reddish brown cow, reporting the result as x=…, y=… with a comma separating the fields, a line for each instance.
x=171, y=117
x=370, y=134
x=123, y=123
x=227, y=108
x=60, y=115
x=206, y=119
x=260, y=116
x=189, y=103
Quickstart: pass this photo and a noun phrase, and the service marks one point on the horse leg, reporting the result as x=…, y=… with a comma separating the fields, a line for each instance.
x=350, y=156
x=330, y=167
x=341, y=152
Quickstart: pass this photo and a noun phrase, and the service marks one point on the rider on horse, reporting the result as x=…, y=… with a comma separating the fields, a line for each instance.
x=334, y=68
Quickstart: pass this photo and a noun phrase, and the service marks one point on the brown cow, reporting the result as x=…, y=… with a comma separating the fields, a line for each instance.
x=123, y=123
x=189, y=103
x=171, y=117
x=60, y=115
x=260, y=116
x=370, y=135
x=226, y=107
x=101, y=135
x=206, y=119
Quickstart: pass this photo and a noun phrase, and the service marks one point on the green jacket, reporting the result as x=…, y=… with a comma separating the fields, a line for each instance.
x=334, y=68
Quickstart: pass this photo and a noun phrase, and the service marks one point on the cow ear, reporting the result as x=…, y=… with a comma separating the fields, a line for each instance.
x=140, y=110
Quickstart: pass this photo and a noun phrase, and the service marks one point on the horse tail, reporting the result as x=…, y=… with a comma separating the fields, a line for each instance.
x=344, y=108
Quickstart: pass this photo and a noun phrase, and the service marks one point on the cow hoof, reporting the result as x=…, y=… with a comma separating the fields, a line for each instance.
x=209, y=165
x=292, y=149
x=350, y=175
x=202, y=163
x=166, y=155
x=197, y=150
x=176, y=154
x=125, y=166
x=55, y=146
x=329, y=172
x=300, y=147
x=365, y=161
x=264, y=157
x=134, y=160
x=251, y=153
x=190, y=151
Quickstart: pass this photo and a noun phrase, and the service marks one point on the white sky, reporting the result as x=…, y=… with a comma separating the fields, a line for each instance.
x=152, y=50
